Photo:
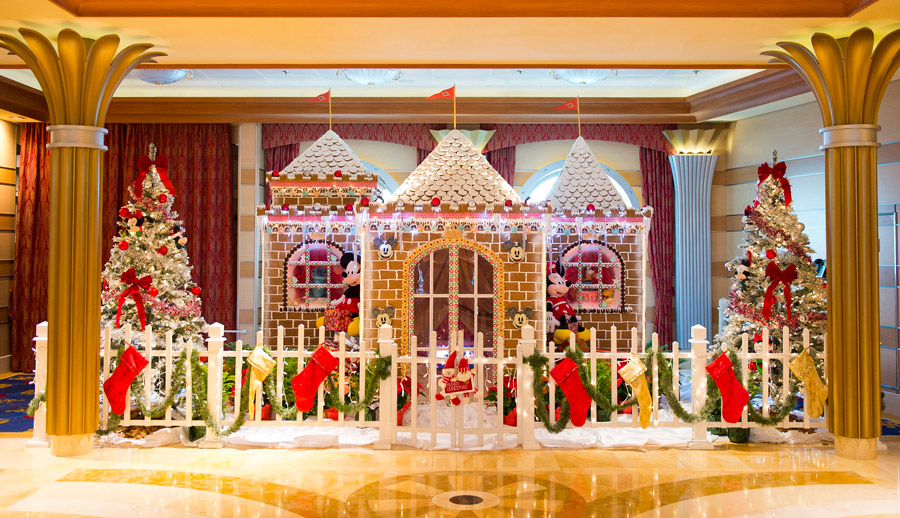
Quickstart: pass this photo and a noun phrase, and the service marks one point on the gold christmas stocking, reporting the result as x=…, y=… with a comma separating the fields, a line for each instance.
x=804, y=367
x=633, y=374
x=261, y=365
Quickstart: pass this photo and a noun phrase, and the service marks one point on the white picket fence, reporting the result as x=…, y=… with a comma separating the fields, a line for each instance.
x=488, y=372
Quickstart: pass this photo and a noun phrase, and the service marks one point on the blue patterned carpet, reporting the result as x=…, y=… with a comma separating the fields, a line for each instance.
x=16, y=391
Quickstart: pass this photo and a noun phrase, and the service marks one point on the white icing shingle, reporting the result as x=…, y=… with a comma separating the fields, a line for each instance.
x=583, y=180
x=327, y=155
x=456, y=173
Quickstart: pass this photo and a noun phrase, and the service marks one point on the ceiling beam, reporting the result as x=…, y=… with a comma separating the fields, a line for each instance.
x=749, y=92
x=23, y=100
x=465, y=8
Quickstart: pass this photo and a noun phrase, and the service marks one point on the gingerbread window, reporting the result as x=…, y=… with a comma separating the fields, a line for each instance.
x=312, y=275
x=595, y=270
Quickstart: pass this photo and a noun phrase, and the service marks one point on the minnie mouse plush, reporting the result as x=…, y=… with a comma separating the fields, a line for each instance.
x=561, y=318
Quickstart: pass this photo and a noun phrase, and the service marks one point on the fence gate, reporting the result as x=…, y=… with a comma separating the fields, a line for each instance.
x=433, y=424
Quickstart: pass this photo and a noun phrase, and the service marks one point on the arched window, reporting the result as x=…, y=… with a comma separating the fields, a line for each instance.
x=453, y=285
x=541, y=183
x=595, y=270
x=312, y=275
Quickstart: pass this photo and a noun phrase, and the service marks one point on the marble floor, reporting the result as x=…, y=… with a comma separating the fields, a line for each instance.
x=177, y=482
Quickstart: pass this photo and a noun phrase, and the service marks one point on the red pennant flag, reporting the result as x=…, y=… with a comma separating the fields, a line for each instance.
x=449, y=93
x=321, y=98
x=571, y=105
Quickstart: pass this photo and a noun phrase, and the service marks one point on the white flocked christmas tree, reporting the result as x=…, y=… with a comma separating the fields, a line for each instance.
x=151, y=241
x=777, y=261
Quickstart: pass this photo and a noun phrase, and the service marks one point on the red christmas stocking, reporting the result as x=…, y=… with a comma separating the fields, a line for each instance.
x=306, y=382
x=566, y=376
x=116, y=386
x=734, y=395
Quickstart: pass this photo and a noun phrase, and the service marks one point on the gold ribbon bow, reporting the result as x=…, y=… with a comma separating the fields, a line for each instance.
x=261, y=364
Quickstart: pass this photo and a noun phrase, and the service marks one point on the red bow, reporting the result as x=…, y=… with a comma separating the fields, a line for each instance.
x=777, y=173
x=161, y=163
x=133, y=290
x=779, y=276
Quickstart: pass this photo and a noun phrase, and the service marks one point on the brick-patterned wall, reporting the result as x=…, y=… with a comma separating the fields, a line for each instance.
x=629, y=248
x=383, y=283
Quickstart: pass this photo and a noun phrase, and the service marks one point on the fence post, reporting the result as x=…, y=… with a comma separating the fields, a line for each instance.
x=698, y=385
x=387, y=414
x=214, y=346
x=39, y=438
x=525, y=391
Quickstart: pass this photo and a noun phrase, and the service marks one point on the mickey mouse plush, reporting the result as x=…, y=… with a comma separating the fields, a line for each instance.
x=561, y=318
x=344, y=314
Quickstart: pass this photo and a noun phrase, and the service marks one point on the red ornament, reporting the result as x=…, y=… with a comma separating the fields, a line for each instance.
x=752, y=366
x=770, y=254
x=348, y=207
x=590, y=207
x=153, y=291
x=123, y=245
x=196, y=290
x=435, y=202
x=507, y=203
x=364, y=202
x=163, y=198
x=337, y=174
x=268, y=207
x=123, y=212
x=285, y=207
x=276, y=173
x=162, y=250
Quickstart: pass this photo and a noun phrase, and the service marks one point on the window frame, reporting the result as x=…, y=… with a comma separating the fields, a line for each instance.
x=305, y=305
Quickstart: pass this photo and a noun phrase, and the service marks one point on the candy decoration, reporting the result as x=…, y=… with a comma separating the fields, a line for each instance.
x=507, y=203
x=163, y=250
x=123, y=245
x=276, y=173
x=196, y=290
x=435, y=202
x=348, y=207
x=285, y=207
x=337, y=174
x=590, y=207
x=364, y=202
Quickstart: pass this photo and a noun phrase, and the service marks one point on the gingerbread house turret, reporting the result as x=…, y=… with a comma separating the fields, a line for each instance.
x=308, y=226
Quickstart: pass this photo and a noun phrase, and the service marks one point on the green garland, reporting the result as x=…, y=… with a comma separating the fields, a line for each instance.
x=36, y=403
x=538, y=364
x=380, y=371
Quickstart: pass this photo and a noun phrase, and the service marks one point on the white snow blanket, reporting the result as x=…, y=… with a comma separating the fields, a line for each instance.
x=302, y=436
x=161, y=437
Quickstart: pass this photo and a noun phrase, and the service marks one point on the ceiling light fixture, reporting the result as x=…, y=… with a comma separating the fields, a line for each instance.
x=161, y=76
x=370, y=76
x=583, y=76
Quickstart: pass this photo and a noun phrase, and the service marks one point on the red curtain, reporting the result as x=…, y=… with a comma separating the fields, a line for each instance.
x=504, y=161
x=644, y=135
x=200, y=166
x=280, y=141
x=28, y=300
x=658, y=189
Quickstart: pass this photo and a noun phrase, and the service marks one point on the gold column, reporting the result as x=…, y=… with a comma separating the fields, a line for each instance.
x=849, y=79
x=78, y=83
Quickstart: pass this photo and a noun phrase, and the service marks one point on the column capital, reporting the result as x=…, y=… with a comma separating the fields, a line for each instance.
x=696, y=141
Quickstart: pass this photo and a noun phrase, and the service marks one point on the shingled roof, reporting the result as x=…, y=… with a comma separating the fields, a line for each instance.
x=583, y=180
x=456, y=173
x=327, y=155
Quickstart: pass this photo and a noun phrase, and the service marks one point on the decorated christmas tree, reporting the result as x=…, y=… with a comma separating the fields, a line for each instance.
x=147, y=280
x=776, y=284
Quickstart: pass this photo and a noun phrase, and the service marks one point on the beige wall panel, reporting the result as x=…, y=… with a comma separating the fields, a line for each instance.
x=739, y=196
x=889, y=184
x=7, y=145
x=7, y=199
x=719, y=244
x=7, y=247
x=717, y=205
x=794, y=132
